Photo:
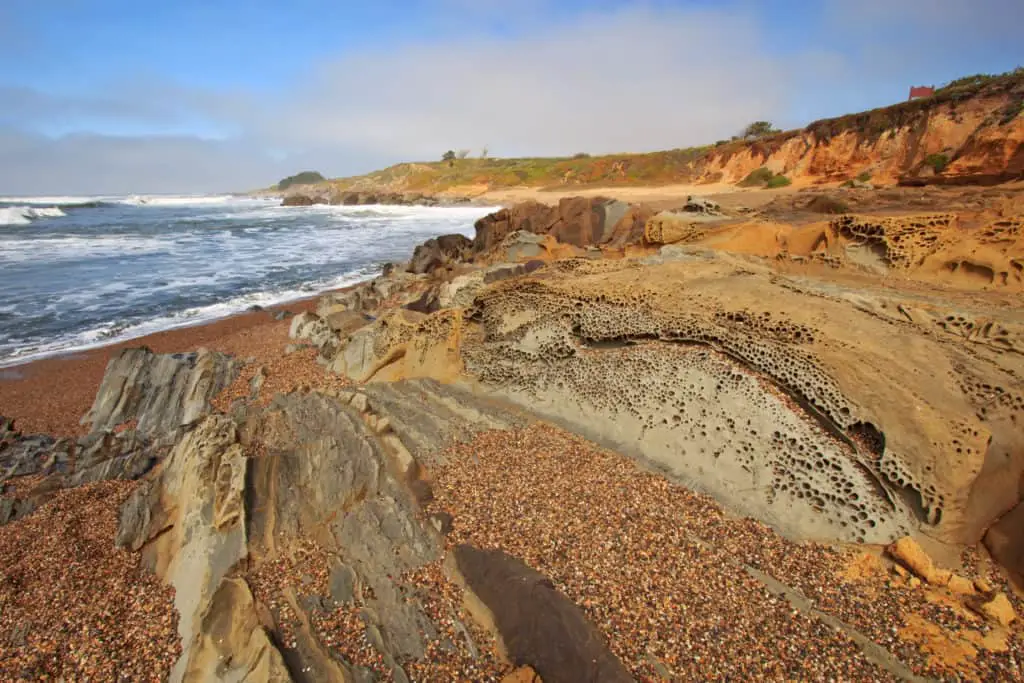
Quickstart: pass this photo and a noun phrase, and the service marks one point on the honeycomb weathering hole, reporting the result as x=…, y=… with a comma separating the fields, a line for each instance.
x=717, y=426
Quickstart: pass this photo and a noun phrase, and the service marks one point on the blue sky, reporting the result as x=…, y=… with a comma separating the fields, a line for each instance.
x=116, y=96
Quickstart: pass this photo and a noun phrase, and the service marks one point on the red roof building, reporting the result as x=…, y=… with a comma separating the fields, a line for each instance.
x=917, y=91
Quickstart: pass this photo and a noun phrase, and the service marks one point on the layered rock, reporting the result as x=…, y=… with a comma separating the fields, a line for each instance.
x=438, y=252
x=737, y=381
x=144, y=401
x=577, y=221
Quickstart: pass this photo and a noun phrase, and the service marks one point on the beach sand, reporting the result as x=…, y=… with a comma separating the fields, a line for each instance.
x=660, y=197
x=51, y=395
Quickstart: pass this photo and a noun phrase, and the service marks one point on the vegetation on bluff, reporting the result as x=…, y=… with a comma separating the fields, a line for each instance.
x=303, y=178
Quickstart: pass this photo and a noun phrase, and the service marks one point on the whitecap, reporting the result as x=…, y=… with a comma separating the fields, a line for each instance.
x=114, y=332
x=23, y=215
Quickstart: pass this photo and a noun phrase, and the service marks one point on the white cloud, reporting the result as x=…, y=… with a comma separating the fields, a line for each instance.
x=629, y=80
x=97, y=164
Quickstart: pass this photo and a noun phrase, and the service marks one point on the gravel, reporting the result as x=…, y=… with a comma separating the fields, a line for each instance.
x=74, y=607
x=660, y=569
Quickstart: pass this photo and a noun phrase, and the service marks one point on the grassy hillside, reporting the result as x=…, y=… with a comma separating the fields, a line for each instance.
x=652, y=168
x=682, y=165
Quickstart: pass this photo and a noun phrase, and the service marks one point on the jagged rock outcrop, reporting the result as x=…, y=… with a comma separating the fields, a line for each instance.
x=438, y=252
x=143, y=403
x=159, y=392
x=339, y=473
x=311, y=328
x=577, y=221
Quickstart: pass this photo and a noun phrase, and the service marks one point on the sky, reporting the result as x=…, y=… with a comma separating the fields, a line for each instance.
x=121, y=96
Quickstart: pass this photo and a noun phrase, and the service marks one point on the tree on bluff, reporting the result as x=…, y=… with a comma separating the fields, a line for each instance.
x=759, y=129
x=304, y=178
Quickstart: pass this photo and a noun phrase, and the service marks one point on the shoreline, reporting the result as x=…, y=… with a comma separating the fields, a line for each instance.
x=50, y=395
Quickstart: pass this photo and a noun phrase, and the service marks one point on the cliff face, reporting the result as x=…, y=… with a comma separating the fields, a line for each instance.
x=977, y=140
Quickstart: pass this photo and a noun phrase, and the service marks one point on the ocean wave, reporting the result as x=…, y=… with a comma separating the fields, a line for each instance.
x=63, y=201
x=23, y=215
x=64, y=248
x=115, y=332
x=183, y=200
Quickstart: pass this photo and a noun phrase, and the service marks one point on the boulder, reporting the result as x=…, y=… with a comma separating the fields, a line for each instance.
x=630, y=227
x=298, y=200
x=529, y=216
x=695, y=204
x=519, y=246
x=579, y=221
x=345, y=322
x=159, y=393
x=914, y=558
x=440, y=251
x=314, y=329
x=998, y=610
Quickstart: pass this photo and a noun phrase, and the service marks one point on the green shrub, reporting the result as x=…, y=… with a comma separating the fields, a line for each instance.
x=304, y=178
x=864, y=176
x=760, y=129
x=778, y=181
x=580, y=155
x=758, y=176
x=937, y=161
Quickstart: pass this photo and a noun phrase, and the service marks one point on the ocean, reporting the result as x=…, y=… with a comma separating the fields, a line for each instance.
x=81, y=272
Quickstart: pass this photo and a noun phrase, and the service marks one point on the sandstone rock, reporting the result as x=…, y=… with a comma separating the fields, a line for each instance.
x=313, y=328
x=529, y=216
x=438, y=252
x=298, y=200
x=960, y=585
x=504, y=271
x=160, y=392
x=913, y=556
x=582, y=220
x=370, y=348
x=519, y=246
x=344, y=322
x=459, y=292
x=630, y=228
x=998, y=610
x=579, y=221
x=1005, y=540
x=539, y=626
x=671, y=228
x=703, y=205
x=587, y=345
